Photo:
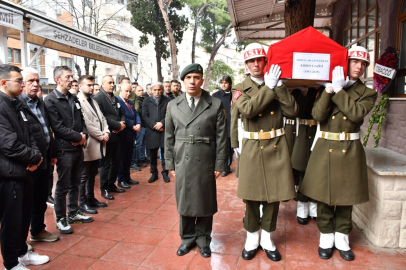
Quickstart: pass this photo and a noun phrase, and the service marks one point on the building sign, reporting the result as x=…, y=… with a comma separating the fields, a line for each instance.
x=81, y=42
x=385, y=71
x=311, y=66
x=11, y=19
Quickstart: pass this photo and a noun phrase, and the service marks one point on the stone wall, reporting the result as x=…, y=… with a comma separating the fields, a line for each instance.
x=394, y=128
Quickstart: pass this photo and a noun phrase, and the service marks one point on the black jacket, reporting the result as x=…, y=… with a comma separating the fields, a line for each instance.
x=110, y=107
x=17, y=147
x=151, y=114
x=226, y=100
x=140, y=103
x=38, y=131
x=66, y=119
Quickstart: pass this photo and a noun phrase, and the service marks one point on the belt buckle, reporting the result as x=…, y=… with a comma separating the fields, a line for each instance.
x=191, y=139
x=333, y=136
x=264, y=135
x=347, y=136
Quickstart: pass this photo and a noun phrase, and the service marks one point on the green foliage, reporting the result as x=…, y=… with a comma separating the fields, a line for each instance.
x=213, y=24
x=147, y=17
x=220, y=69
x=377, y=117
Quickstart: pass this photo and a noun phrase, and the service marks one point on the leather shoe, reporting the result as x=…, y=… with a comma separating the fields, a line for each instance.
x=123, y=185
x=166, y=177
x=325, y=253
x=142, y=164
x=113, y=188
x=132, y=182
x=346, y=255
x=249, y=255
x=93, y=202
x=314, y=218
x=86, y=208
x=273, y=255
x=153, y=178
x=106, y=194
x=302, y=221
x=224, y=174
x=205, y=251
x=135, y=167
x=184, y=249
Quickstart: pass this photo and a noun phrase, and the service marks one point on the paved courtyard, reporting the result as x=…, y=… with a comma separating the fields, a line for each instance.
x=140, y=230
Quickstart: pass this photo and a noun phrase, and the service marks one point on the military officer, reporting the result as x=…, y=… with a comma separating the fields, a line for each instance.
x=336, y=174
x=264, y=169
x=196, y=153
x=305, y=129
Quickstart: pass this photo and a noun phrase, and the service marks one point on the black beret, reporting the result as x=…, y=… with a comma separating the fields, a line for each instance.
x=192, y=68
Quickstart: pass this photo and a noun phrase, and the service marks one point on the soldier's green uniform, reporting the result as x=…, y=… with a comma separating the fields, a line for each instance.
x=264, y=167
x=195, y=146
x=336, y=174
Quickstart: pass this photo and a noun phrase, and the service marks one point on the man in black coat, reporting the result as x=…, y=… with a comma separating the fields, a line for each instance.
x=70, y=132
x=19, y=156
x=38, y=120
x=225, y=96
x=110, y=163
x=153, y=114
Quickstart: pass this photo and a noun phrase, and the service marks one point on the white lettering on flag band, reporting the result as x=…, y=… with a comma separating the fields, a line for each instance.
x=11, y=19
x=311, y=66
x=81, y=42
x=385, y=71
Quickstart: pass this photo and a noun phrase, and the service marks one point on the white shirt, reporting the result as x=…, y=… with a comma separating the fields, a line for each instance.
x=259, y=81
x=197, y=98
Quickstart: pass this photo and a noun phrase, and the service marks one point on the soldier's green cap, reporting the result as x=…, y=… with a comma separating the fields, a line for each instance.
x=192, y=68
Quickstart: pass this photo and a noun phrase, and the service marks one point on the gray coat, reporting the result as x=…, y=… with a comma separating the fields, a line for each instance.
x=196, y=162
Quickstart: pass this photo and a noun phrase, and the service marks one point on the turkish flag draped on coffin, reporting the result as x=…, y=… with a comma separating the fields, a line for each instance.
x=314, y=46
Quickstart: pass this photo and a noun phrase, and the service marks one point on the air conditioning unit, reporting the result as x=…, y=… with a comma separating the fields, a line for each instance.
x=108, y=66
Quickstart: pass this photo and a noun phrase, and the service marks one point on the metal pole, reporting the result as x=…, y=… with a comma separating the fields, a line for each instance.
x=3, y=47
x=37, y=53
x=24, y=51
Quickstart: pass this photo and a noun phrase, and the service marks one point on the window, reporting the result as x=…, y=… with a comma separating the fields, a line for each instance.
x=64, y=61
x=14, y=55
x=362, y=27
x=39, y=63
x=400, y=75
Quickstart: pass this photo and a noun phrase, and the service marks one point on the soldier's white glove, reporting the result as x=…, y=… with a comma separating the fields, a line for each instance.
x=328, y=86
x=338, y=79
x=272, y=76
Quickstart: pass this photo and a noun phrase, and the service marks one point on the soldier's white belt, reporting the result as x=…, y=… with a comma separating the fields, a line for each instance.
x=264, y=135
x=195, y=139
x=308, y=122
x=331, y=136
x=290, y=122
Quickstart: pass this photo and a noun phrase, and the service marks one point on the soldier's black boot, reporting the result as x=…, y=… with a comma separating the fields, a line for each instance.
x=165, y=176
x=153, y=178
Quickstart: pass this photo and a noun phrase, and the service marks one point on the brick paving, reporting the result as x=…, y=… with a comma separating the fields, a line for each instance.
x=140, y=230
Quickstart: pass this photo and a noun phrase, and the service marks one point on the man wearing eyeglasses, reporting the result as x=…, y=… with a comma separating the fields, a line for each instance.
x=19, y=156
x=37, y=116
x=70, y=134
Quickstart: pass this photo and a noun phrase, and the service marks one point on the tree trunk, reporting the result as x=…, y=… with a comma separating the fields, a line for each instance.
x=87, y=65
x=298, y=15
x=157, y=44
x=78, y=69
x=195, y=31
x=94, y=68
x=216, y=47
x=172, y=42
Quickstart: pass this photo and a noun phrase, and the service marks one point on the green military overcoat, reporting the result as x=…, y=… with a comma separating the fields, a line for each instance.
x=264, y=167
x=304, y=140
x=337, y=172
x=195, y=163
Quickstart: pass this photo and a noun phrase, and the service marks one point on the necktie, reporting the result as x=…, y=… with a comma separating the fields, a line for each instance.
x=192, y=105
x=128, y=105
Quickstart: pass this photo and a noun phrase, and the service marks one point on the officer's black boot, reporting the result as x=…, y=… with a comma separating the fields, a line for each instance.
x=165, y=176
x=153, y=178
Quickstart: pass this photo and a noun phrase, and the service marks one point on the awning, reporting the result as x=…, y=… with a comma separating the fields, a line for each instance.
x=53, y=34
x=264, y=19
x=11, y=17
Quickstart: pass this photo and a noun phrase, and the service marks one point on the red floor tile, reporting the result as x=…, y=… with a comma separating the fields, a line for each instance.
x=128, y=218
x=143, y=207
x=216, y=261
x=128, y=253
x=363, y=256
x=227, y=244
x=166, y=258
x=158, y=221
x=69, y=262
x=303, y=252
x=91, y=247
x=145, y=235
x=103, y=265
x=115, y=232
x=172, y=240
x=64, y=242
x=167, y=209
